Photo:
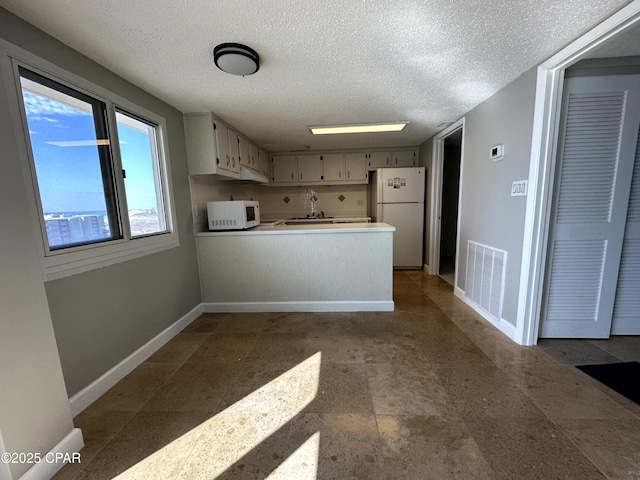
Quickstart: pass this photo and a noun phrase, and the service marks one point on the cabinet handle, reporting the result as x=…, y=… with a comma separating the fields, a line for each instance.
x=228, y=161
x=340, y=174
x=301, y=176
x=291, y=175
x=348, y=173
x=387, y=161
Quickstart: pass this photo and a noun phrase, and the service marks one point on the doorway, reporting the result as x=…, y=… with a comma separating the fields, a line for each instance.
x=449, y=206
x=592, y=261
x=609, y=37
x=444, y=200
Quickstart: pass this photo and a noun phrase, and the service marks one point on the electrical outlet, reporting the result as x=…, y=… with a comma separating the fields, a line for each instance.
x=519, y=188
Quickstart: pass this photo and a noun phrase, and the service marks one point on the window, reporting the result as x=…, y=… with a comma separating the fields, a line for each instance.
x=72, y=159
x=139, y=154
x=99, y=171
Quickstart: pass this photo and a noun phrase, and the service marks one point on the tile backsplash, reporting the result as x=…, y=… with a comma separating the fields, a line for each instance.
x=278, y=202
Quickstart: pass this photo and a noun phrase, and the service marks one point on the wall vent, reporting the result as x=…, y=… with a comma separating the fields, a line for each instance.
x=486, y=268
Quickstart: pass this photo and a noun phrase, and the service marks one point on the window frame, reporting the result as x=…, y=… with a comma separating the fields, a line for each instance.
x=62, y=262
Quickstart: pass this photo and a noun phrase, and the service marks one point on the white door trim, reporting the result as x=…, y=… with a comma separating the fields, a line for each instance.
x=435, y=200
x=541, y=170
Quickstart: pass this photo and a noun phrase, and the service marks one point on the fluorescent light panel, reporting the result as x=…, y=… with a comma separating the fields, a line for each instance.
x=362, y=128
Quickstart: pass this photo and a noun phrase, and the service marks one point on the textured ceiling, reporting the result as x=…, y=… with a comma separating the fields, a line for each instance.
x=322, y=62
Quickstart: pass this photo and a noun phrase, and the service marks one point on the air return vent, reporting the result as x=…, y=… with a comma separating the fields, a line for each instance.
x=486, y=267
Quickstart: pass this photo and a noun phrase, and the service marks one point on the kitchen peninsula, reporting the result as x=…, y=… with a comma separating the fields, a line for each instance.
x=325, y=267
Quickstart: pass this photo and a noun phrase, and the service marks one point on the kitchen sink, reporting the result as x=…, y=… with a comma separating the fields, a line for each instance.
x=310, y=218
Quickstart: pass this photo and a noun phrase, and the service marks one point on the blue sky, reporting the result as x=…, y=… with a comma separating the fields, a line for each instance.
x=69, y=177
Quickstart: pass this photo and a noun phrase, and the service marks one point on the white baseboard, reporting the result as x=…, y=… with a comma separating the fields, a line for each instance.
x=48, y=467
x=502, y=325
x=227, y=307
x=99, y=387
x=425, y=267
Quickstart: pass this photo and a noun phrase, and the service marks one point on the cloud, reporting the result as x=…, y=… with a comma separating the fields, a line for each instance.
x=38, y=107
x=41, y=118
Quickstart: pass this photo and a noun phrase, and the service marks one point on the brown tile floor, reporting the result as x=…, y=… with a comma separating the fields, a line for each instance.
x=430, y=391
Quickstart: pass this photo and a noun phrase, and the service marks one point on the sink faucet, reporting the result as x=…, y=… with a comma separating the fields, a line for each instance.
x=313, y=205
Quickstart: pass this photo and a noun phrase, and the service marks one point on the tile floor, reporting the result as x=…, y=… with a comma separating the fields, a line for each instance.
x=430, y=391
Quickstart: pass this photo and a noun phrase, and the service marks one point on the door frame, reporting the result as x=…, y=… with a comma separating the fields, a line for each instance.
x=549, y=89
x=435, y=200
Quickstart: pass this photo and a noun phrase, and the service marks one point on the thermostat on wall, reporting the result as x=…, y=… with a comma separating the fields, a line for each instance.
x=496, y=153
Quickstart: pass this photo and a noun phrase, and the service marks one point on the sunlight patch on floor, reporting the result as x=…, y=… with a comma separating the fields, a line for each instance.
x=208, y=450
x=301, y=464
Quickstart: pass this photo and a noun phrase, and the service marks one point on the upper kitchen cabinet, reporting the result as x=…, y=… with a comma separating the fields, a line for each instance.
x=234, y=151
x=403, y=158
x=310, y=168
x=244, y=152
x=254, y=159
x=356, y=167
x=265, y=165
x=207, y=146
x=333, y=164
x=379, y=160
x=285, y=169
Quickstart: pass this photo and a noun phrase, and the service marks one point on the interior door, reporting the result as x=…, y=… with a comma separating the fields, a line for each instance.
x=626, y=311
x=596, y=149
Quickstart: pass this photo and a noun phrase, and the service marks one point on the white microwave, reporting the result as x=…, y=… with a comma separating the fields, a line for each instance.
x=233, y=215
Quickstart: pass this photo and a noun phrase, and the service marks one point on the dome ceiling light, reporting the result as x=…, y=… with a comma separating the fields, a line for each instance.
x=236, y=59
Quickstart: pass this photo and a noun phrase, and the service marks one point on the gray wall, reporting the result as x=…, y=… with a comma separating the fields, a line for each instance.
x=489, y=215
x=102, y=316
x=34, y=411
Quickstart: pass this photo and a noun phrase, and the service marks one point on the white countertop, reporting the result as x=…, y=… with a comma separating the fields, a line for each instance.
x=305, y=229
x=328, y=220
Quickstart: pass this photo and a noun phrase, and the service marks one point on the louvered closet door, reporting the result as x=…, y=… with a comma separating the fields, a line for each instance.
x=626, y=311
x=596, y=150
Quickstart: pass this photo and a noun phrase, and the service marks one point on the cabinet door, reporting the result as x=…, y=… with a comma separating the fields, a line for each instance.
x=404, y=158
x=234, y=151
x=222, y=142
x=284, y=169
x=333, y=164
x=201, y=144
x=379, y=160
x=244, y=153
x=265, y=166
x=254, y=159
x=356, y=166
x=309, y=168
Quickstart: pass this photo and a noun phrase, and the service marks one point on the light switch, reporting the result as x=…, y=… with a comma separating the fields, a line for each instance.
x=496, y=153
x=519, y=188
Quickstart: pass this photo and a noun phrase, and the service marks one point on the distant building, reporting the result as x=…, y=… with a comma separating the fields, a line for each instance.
x=75, y=229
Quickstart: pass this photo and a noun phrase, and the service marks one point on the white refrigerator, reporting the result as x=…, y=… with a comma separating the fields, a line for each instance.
x=397, y=198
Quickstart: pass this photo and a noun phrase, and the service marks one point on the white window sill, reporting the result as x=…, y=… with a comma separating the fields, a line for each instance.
x=72, y=263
